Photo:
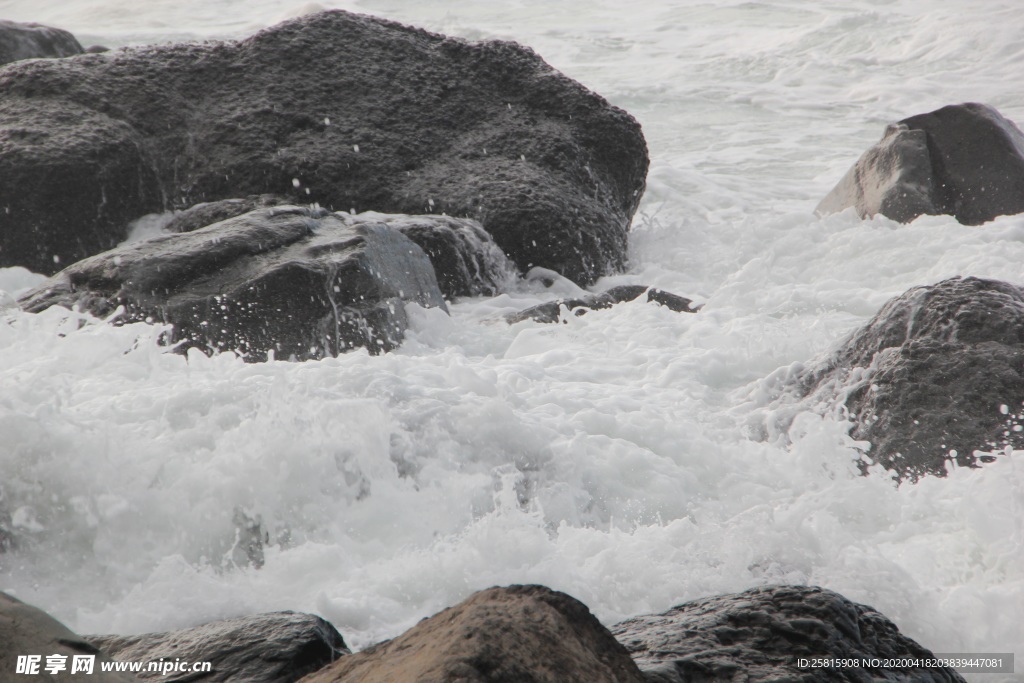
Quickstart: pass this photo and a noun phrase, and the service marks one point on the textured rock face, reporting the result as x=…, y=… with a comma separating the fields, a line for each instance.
x=280, y=647
x=518, y=634
x=292, y=280
x=28, y=631
x=466, y=260
x=550, y=312
x=965, y=160
x=28, y=41
x=937, y=374
x=348, y=111
x=758, y=635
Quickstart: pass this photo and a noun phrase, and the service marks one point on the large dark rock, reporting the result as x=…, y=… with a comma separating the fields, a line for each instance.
x=292, y=280
x=279, y=647
x=937, y=374
x=27, y=631
x=965, y=160
x=348, y=111
x=759, y=635
x=551, y=311
x=518, y=634
x=28, y=41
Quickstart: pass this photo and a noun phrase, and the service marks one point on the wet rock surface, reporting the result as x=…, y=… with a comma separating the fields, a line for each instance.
x=758, y=636
x=294, y=281
x=28, y=631
x=279, y=647
x=965, y=160
x=347, y=111
x=551, y=311
x=517, y=634
x=937, y=374
x=30, y=41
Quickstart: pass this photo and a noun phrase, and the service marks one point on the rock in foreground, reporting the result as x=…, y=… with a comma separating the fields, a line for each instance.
x=757, y=636
x=965, y=160
x=294, y=281
x=280, y=647
x=30, y=41
x=348, y=111
x=518, y=634
x=937, y=374
x=26, y=631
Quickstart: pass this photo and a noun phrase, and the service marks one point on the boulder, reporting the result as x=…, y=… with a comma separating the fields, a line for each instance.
x=279, y=647
x=27, y=631
x=466, y=260
x=759, y=636
x=551, y=311
x=517, y=634
x=351, y=112
x=29, y=41
x=294, y=281
x=207, y=213
x=936, y=375
x=964, y=160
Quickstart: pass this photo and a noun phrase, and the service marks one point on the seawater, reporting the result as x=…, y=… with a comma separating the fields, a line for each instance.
x=633, y=457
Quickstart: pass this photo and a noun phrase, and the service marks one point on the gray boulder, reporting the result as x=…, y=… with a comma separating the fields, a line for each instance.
x=551, y=311
x=517, y=634
x=294, y=281
x=347, y=111
x=937, y=374
x=466, y=260
x=965, y=160
x=208, y=213
x=279, y=647
x=27, y=631
x=28, y=41
x=759, y=635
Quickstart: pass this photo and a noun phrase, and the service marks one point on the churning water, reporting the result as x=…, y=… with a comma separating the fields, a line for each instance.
x=633, y=457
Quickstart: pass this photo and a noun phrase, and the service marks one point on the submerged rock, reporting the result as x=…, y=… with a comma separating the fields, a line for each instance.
x=27, y=631
x=279, y=647
x=937, y=374
x=965, y=160
x=347, y=111
x=29, y=41
x=551, y=311
x=294, y=281
x=518, y=634
x=759, y=636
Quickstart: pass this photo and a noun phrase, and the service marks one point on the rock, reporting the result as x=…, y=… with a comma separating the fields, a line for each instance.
x=27, y=631
x=517, y=634
x=29, y=41
x=279, y=647
x=965, y=160
x=347, y=111
x=466, y=260
x=551, y=311
x=937, y=374
x=208, y=213
x=759, y=635
x=295, y=281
